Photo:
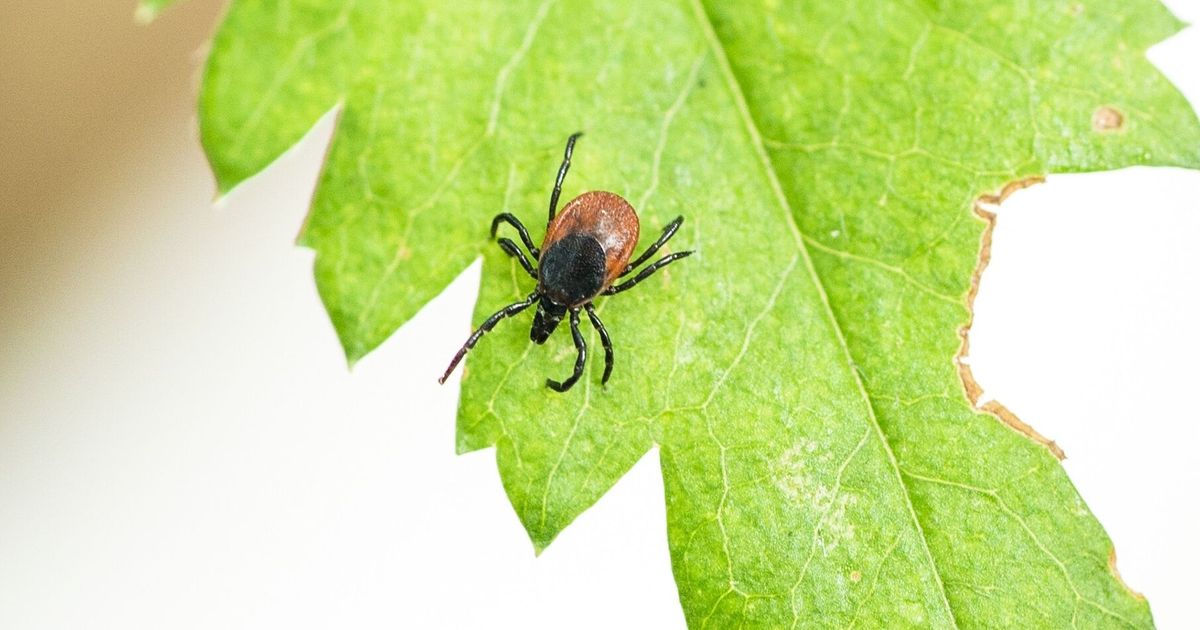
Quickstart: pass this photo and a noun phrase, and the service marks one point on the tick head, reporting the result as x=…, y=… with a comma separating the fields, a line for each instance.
x=549, y=314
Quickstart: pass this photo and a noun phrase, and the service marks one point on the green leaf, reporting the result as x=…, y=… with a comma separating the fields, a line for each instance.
x=823, y=463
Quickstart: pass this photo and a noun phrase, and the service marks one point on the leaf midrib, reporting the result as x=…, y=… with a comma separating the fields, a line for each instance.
x=734, y=87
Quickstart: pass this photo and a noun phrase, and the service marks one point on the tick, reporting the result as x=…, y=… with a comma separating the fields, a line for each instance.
x=585, y=251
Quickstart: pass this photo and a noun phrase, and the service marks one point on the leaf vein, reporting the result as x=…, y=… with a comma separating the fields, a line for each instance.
x=587, y=397
x=688, y=85
x=867, y=260
x=1037, y=541
x=785, y=205
x=874, y=582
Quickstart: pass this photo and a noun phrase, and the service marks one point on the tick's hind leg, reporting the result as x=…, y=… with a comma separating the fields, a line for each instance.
x=579, y=360
x=668, y=232
x=604, y=339
x=645, y=273
x=509, y=218
x=514, y=251
x=562, y=174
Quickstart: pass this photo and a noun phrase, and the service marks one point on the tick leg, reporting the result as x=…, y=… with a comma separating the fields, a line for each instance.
x=645, y=273
x=516, y=252
x=507, y=217
x=604, y=339
x=579, y=360
x=668, y=232
x=562, y=174
x=488, y=324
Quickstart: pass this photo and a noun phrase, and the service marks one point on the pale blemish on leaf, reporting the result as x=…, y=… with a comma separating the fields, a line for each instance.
x=796, y=475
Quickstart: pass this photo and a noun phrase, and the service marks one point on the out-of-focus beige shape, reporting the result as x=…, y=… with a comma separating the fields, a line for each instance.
x=85, y=92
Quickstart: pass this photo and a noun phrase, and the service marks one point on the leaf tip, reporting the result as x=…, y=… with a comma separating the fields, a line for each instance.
x=541, y=541
x=225, y=183
x=352, y=348
x=540, y=538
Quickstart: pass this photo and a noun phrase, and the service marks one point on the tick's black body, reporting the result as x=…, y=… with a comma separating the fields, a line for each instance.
x=587, y=247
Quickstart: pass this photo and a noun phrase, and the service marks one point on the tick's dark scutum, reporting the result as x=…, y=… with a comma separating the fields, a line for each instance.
x=572, y=270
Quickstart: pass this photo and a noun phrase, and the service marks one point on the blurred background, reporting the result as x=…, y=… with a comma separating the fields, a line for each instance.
x=181, y=444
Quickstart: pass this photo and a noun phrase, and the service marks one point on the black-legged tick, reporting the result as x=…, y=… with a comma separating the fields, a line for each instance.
x=587, y=248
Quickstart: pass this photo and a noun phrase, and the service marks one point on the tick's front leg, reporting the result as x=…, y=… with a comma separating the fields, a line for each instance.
x=514, y=251
x=511, y=219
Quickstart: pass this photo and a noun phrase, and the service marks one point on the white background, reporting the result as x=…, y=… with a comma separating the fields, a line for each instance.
x=182, y=446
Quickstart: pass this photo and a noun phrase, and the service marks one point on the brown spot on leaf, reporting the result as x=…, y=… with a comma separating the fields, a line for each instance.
x=855, y=576
x=1107, y=119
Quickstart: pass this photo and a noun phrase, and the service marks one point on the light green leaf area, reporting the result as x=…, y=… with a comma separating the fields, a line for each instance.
x=823, y=465
x=147, y=10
